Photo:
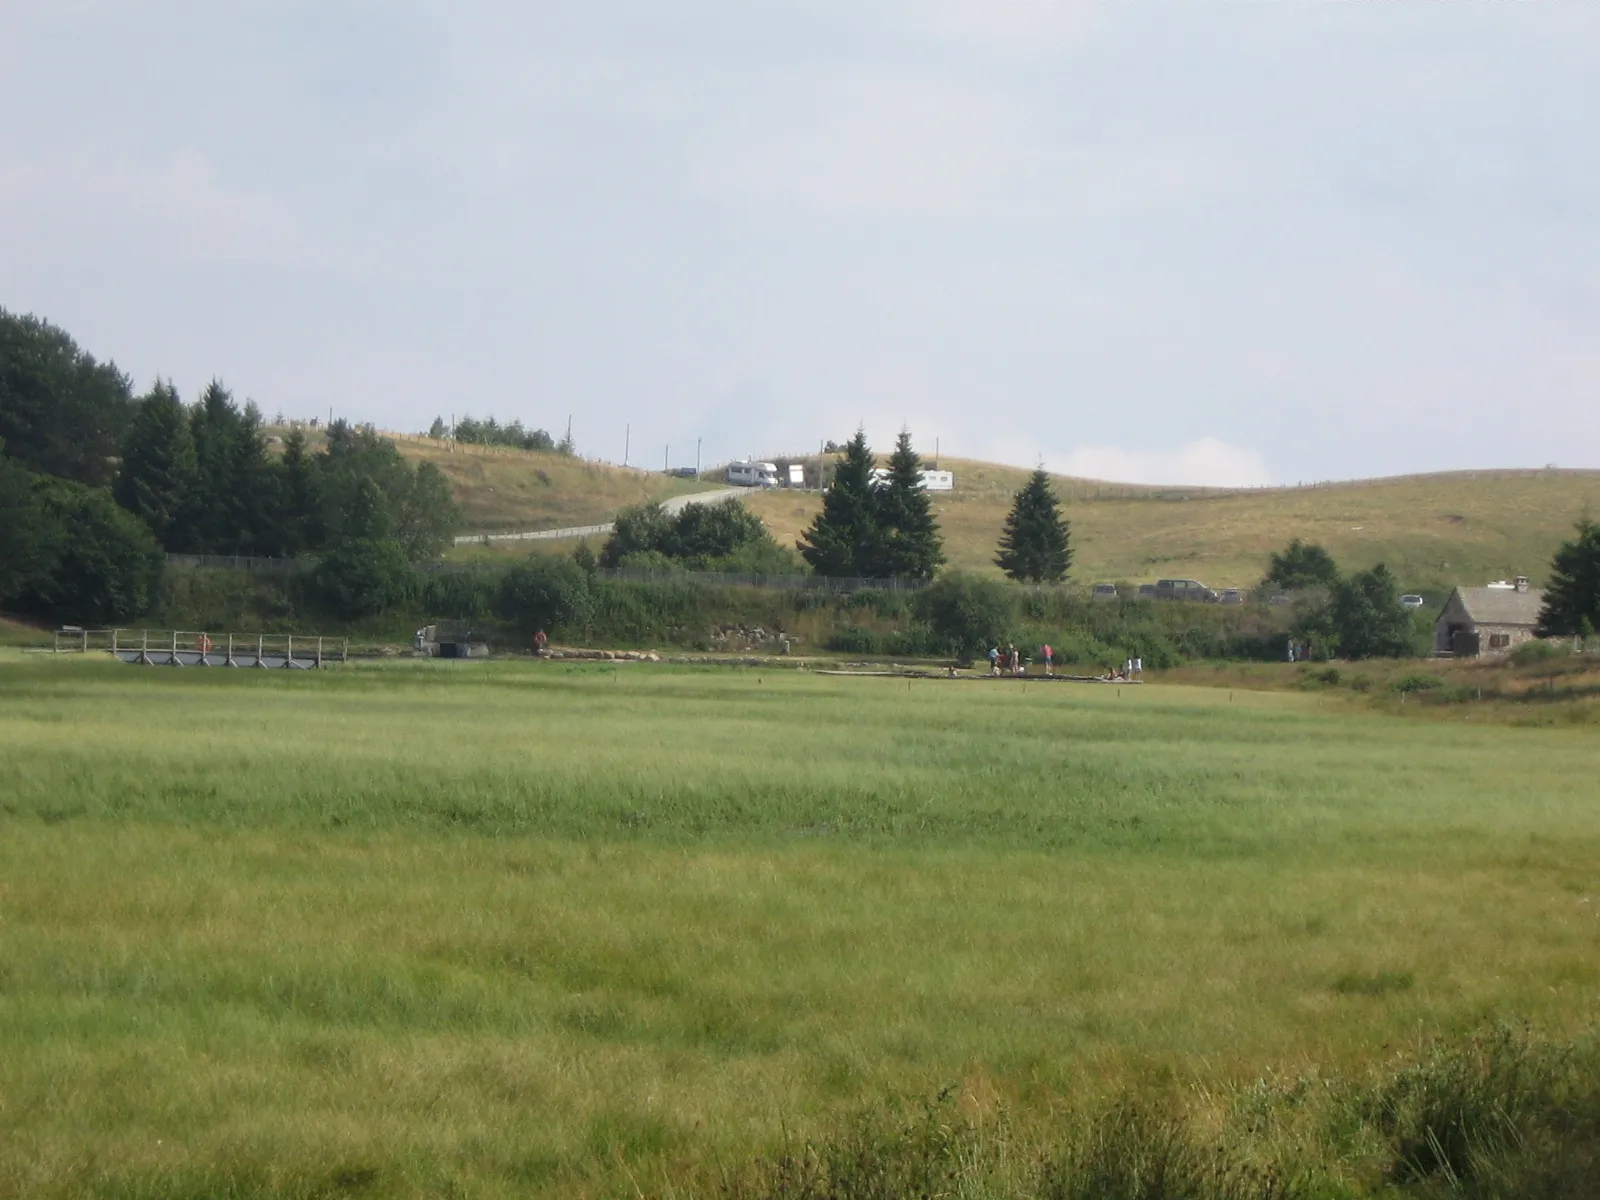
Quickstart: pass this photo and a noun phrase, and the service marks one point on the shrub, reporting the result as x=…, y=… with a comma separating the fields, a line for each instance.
x=1417, y=682
x=1530, y=653
x=544, y=592
x=104, y=563
x=364, y=577
x=968, y=613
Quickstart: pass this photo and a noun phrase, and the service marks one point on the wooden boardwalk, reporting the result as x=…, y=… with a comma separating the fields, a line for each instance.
x=197, y=648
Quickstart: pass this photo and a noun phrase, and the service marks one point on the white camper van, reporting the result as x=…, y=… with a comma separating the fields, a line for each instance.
x=753, y=474
x=932, y=481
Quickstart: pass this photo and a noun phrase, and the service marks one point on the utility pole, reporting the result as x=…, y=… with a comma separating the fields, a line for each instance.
x=697, y=442
x=627, y=438
x=666, y=459
x=935, y=454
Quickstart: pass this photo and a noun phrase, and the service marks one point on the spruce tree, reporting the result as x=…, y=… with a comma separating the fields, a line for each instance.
x=908, y=544
x=843, y=540
x=1036, y=545
x=1573, y=596
x=304, y=526
x=157, y=480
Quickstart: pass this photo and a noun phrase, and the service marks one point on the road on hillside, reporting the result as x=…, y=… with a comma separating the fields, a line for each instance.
x=675, y=505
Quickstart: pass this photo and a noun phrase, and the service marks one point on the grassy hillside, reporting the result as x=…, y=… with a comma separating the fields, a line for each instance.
x=504, y=490
x=1433, y=530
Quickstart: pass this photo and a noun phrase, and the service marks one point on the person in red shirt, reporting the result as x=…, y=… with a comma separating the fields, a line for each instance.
x=540, y=642
x=1049, y=657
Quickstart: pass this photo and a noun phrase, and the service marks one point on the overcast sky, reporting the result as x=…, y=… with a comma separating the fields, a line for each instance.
x=1207, y=241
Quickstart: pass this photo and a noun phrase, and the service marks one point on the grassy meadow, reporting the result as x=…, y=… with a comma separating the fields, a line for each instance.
x=507, y=929
x=1432, y=530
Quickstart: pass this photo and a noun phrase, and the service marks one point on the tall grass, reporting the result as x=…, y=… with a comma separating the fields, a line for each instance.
x=506, y=929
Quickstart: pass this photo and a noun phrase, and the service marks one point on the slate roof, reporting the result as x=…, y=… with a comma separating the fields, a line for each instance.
x=1501, y=606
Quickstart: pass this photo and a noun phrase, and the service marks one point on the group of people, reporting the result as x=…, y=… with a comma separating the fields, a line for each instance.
x=1010, y=660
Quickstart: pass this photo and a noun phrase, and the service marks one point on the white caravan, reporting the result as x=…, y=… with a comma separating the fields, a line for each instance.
x=932, y=481
x=753, y=474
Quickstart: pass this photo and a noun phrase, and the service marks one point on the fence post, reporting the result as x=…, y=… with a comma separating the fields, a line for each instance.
x=261, y=643
x=288, y=659
x=319, y=650
x=113, y=642
x=84, y=633
x=176, y=661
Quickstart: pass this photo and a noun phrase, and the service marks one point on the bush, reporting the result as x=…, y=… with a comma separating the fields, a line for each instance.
x=364, y=577
x=1417, y=682
x=544, y=592
x=104, y=564
x=1530, y=653
x=967, y=613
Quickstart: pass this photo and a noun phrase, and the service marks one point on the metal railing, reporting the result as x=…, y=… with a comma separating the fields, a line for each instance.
x=198, y=648
x=234, y=562
x=794, y=583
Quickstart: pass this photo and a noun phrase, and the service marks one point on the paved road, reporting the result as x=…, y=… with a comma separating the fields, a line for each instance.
x=675, y=505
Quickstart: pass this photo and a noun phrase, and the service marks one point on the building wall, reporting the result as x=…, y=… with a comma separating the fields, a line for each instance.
x=1508, y=638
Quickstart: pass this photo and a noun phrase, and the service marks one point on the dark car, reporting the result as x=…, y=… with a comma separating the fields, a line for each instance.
x=1184, y=589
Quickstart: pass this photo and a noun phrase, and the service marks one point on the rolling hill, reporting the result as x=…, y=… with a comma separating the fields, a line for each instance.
x=1432, y=530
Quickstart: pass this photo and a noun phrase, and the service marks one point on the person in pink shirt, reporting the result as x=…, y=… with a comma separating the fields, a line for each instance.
x=1049, y=657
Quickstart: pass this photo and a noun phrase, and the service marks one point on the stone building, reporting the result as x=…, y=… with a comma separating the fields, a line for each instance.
x=1479, y=621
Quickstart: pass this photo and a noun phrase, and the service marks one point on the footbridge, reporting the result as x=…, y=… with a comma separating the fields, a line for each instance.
x=196, y=648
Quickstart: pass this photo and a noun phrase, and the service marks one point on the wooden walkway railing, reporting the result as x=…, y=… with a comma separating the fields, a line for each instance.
x=197, y=648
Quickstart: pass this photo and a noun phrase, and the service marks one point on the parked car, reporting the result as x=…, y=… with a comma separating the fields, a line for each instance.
x=1280, y=598
x=1411, y=600
x=1147, y=590
x=1104, y=591
x=1231, y=596
x=1184, y=589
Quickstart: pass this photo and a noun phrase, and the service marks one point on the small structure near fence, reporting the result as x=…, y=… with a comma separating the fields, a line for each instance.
x=184, y=648
x=450, y=639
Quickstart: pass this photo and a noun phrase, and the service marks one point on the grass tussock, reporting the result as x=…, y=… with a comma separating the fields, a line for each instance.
x=1502, y=1113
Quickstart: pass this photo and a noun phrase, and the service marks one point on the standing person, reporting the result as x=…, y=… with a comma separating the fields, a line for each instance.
x=1138, y=667
x=994, y=660
x=1049, y=657
x=1011, y=650
x=540, y=643
x=1127, y=669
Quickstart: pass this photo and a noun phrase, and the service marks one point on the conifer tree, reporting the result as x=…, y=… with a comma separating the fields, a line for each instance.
x=1036, y=544
x=908, y=544
x=300, y=493
x=843, y=540
x=157, y=479
x=1572, y=601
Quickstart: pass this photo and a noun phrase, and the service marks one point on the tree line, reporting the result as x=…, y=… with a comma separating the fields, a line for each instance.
x=96, y=482
x=489, y=432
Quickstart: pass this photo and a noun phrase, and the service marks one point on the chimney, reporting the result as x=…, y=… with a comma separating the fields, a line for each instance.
x=1522, y=583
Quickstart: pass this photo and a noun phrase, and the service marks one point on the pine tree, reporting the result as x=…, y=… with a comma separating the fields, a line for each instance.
x=157, y=480
x=843, y=540
x=300, y=494
x=1036, y=545
x=908, y=544
x=1573, y=596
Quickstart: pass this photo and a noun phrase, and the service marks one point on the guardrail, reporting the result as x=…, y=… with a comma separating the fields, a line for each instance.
x=234, y=562
x=197, y=648
x=794, y=583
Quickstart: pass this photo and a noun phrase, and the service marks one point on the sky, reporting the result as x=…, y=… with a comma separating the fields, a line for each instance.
x=1170, y=241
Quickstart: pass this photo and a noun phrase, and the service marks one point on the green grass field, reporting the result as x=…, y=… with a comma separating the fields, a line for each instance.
x=1434, y=531
x=511, y=929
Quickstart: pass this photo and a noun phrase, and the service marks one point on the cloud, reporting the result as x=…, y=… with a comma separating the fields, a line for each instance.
x=1022, y=24
x=176, y=206
x=1208, y=462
